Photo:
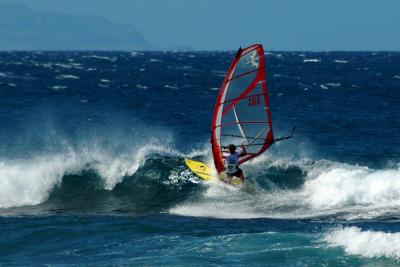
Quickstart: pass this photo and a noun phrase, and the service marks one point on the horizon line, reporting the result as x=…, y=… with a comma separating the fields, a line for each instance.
x=188, y=50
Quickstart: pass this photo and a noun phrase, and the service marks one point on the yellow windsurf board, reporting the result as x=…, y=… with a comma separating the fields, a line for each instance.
x=209, y=174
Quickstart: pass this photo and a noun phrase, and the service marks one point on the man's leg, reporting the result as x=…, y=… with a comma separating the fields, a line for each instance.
x=240, y=175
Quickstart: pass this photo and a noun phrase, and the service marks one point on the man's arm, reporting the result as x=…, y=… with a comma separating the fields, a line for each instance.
x=244, y=153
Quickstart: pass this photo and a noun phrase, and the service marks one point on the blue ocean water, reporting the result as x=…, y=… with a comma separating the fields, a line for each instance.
x=92, y=172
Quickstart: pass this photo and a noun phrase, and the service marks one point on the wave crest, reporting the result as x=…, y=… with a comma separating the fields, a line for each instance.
x=368, y=244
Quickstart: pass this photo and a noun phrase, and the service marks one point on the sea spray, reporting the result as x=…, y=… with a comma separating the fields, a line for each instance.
x=367, y=243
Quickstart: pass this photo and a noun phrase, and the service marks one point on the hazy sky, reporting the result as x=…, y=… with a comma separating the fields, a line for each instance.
x=228, y=24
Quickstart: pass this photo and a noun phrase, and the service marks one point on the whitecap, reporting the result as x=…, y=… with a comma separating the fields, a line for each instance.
x=135, y=54
x=368, y=244
x=334, y=84
x=66, y=76
x=142, y=86
x=58, y=87
x=101, y=57
x=311, y=60
x=171, y=87
x=69, y=66
x=352, y=186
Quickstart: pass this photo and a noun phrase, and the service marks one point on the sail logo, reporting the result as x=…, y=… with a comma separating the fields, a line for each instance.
x=254, y=101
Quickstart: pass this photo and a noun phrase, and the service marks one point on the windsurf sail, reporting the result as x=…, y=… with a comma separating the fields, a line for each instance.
x=242, y=114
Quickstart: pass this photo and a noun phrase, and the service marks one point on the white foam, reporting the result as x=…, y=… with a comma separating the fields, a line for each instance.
x=347, y=185
x=171, y=87
x=58, y=87
x=339, y=61
x=135, y=54
x=397, y=77
x=101, y=57
x=145, y=87
x=311, y=60
x=330, y=189
x=115, y=169
x=177, y=178
x=334, y=84
x=67, y=76
x=222, y=201
x=30, y=182
x=68, y=66
x=218, y=201
x=367, y=244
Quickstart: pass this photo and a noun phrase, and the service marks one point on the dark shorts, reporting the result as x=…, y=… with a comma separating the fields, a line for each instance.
x=238, y=173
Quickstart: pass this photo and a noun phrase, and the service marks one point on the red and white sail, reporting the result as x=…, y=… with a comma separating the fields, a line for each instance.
x=242, y=114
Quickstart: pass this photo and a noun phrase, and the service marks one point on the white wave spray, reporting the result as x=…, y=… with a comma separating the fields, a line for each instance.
x=30, y=182
x=329, y=188
x=367, y=244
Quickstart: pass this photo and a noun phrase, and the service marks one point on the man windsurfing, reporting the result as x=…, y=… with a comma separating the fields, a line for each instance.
x=232, y=162
x=242, y=115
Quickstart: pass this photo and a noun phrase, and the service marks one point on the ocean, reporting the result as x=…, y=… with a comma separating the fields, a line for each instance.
x=92, y=172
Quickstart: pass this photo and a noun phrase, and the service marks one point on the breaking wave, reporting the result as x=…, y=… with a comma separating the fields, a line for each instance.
x=286, y=188
x=369, y=244
x=154, y=178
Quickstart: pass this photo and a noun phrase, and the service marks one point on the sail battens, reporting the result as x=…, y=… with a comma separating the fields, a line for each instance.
x=242, y=122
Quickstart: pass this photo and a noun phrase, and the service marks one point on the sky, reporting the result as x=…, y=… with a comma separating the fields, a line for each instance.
x=228, y=24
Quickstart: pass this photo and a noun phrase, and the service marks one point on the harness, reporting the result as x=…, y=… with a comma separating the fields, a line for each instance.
x=232, y=164
x=231, y=168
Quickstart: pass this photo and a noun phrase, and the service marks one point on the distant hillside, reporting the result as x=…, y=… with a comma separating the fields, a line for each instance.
x=22, y=28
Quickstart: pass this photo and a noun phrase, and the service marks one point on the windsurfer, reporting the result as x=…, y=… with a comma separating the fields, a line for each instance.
x=232, y=162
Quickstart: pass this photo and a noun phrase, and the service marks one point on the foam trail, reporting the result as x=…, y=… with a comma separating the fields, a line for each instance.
x=368, y=244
